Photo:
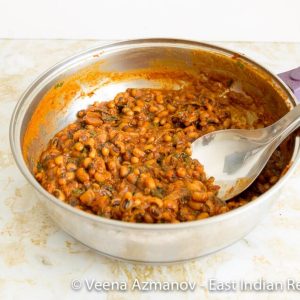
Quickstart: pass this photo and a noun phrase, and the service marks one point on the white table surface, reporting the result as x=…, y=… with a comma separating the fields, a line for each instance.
x=213, y=20
x=39, y=261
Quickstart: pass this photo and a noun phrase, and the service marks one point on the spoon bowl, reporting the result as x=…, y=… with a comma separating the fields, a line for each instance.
x=236, y=157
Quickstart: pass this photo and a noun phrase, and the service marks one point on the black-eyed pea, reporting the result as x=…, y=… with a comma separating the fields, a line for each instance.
x=137, y=109
x=155, y=212
x=137, y=202
x=223, y=209
x=132, y=178
x=210, y=205
x=273, y=179
x=167, y=138
x=60, y=171
x=148, y=148
x=93, y=118
x=128, y=196
x=188, y=151
x=105, y=151
x=127, y=111
x=71, y=167
x=181, y=172
x=171, y=108
x=151, y=139
x=87, y=197
x=142, y=129
x=78, y=146
x=100, y=177
x=138, y=152
x=160, y=107
x=121, y=146
x=102, y=137
x=169, y=174
x=147, y=191
x=82, y=175
x=210, y=128
x=202, y=215
x=195, y=205
x=90, y=142
x=59, y=160
x=167, y=216
x=87, y=161
x=59, y=194
x=123, y=125
x=200, y=196
x=156, y=201
x=136, y=171
x=39, y=176
x=127, y=156
x=149, y=163
x=149, y=183
x=112, y=166
x=148, y=218
x=90, y=127
x=124, y=170
x=193, y=135
x=163, y=121
x=92, y=171
x=126, y=204
x=196, y=186
x=190, y=96
x=227, y=123
x=140, y=103
x=171, y=204
x=130, y=113
x=111, y=104
x=162, y=114
x=159, y=98
x=156, y=121
x=93, y=153
x=153, y=109
x=62, y=181
x=209, y=107
x=70, y=176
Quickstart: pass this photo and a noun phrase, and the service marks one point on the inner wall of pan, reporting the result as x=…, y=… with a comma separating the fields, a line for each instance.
x=54, y=108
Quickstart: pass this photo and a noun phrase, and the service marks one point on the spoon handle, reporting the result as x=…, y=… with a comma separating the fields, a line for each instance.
x=292, y=79
x=286, y=125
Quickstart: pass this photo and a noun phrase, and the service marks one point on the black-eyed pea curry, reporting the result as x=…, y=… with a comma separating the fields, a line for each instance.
x=130, y=159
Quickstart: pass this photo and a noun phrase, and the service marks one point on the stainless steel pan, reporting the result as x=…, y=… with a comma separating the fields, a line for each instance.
x=98, y=74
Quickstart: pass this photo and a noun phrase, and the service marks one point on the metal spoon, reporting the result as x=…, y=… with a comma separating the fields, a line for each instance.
x=235, y=157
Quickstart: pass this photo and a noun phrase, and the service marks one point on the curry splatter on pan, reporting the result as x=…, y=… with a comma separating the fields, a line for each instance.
x=173, y=76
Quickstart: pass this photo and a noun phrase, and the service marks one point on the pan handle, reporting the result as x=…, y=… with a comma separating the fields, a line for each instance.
x=292, y=79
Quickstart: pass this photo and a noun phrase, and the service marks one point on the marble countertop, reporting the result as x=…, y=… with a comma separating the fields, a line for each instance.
x=39, y=261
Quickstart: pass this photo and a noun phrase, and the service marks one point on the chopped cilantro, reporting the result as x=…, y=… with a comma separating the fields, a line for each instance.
x=109, y=118
x=241, y=65
x=58, y=85
x=39, y=166
x=77, y=192
x=185, y=157
x=72, y=160
x=93, y=133
x=158, y=192
x=108, y=188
